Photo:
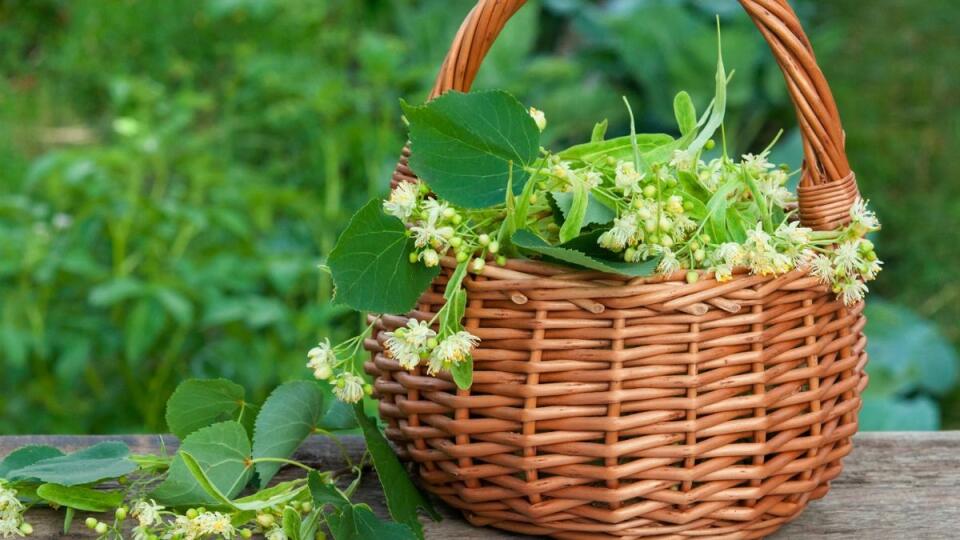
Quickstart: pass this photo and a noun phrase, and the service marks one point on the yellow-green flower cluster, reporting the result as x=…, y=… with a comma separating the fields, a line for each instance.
x=417, y=344
x=11, y=514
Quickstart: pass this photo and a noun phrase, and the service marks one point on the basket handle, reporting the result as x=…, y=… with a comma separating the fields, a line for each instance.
x=827, y=187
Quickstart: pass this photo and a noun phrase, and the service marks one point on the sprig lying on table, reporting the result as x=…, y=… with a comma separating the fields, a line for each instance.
x=219, y=484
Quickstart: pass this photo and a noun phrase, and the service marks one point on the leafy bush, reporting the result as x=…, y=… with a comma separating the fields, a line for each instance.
x=173, y=170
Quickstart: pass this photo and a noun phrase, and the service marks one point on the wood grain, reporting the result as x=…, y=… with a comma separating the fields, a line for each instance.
x=894, y=486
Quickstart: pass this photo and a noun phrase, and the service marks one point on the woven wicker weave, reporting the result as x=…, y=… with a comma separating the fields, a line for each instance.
x=605, y=407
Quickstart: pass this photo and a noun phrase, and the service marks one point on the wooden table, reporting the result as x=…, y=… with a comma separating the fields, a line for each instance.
x=894, y=486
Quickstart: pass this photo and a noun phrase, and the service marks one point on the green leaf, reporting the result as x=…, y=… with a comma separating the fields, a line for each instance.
x=360, y=523
x=337, y=415
x=402, y=496
x=529, y=241
x=719, y=105
x=25, y=456
x=198, y=403
x=175, y=304
x=99, y=462
x=717, y=206
x=596, y=211
x=202, y=480
x=143, y=327
x=620, y=148
x=222, y=452
x=371, y=267
x=685, y=112
x=291, y=523
x=917, y=414
x=80, y=498
x=463, y=373
x=692, y=186
x=115, y=291
x=909, y=349
x=599, y=131
x=464, y=145
x=286, y=419
x=576, y=213
x=272, y=496
x=325, y=493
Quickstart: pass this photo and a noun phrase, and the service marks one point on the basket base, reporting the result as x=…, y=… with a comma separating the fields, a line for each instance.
x=779, y=511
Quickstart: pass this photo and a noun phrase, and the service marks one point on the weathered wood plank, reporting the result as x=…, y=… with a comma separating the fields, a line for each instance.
x=895, y=485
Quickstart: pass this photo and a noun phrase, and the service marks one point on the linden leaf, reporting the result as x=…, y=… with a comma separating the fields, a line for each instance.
x=465, y=145
x=371, y=267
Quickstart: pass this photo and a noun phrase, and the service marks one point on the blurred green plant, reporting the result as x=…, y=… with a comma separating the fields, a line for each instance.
x=173, y=171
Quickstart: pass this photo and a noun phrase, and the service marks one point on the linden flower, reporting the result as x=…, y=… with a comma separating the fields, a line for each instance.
x=593, y=179
x=793, y=233
x=454, y=349
x=821, y=267
x=730, y=253
x=758, y=237
x=147, y=512
x=408, y=343
x=430, y=258
x=723, y=272
x=320, y=359
x=683, y=160
x=623, y=232
x=11, y=513
x=349, y=387
x=217, y=524
x=852, y=291
x=627, y=178
x=668, y=263
x=539, y=119
x=847, y=257
x=426, y=234
x=402, y=201
x=756, y=165
x=774, y=191
x=862, y=218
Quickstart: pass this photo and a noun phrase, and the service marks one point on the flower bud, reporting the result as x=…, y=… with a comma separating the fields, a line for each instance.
x=90, y=522
x=462, y=256
x=121, y=513
x=711, y=144
x=246, y=533
x=649, y=191
x=477, y=265
x=692, y=277
x=494, y=246
x=666, y=241
x=449, y=213
x=430, y=258
x=456, y=242
x=432, y=343
x=101, y=528
x=501, y=260
x=457, y=219
x=539, y=118
x=413, y=258
x=484, y=239
x=533, y=199
x=192, y=513
x=265, y=520
x=699, y=255
x=323, y=373
x=446, y=232
x=26, y=529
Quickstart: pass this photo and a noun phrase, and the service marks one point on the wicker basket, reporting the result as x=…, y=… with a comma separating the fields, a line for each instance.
x=605, y=407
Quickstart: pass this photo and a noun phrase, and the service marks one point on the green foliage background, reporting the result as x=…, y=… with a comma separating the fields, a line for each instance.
x=172, y=172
